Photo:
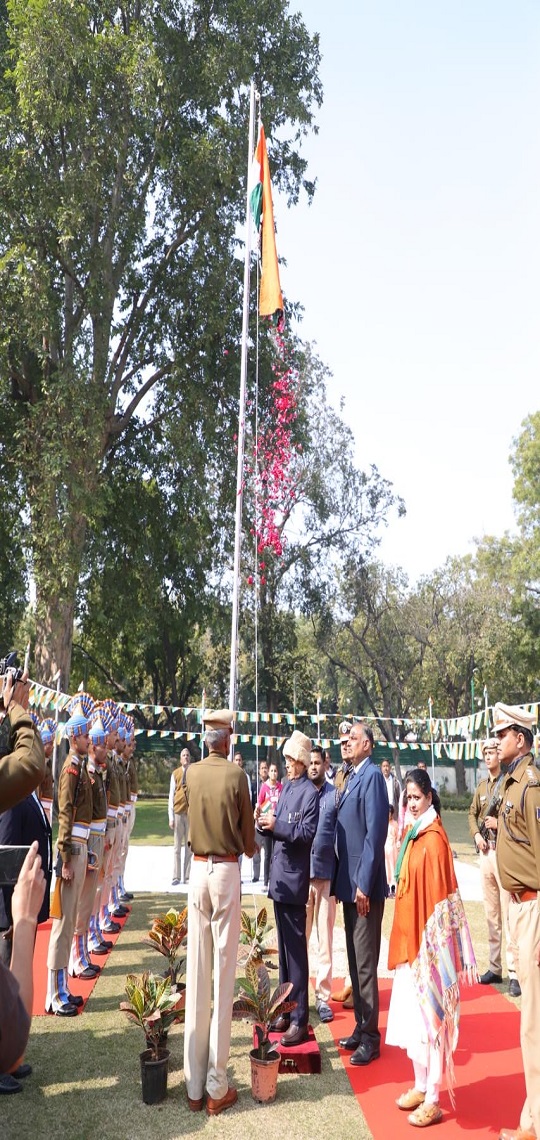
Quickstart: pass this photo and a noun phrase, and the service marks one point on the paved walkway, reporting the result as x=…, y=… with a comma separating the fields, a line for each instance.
x=150, y=869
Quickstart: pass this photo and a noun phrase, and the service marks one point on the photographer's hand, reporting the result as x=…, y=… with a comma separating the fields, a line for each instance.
x=25, y=905
x=17, y=693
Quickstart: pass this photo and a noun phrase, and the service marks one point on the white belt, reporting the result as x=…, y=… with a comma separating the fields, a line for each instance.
x=112, y=812
x=80, y=831
x=98, y=826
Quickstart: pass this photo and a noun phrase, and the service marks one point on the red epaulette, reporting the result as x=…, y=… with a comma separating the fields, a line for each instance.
x=72, y=770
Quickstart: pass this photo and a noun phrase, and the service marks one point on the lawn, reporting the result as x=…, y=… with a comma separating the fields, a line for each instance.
x=86, y=1078
x=152, y=824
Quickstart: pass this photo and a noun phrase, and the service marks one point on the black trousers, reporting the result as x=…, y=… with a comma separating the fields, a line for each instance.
x=293, y=957
x=363, y=938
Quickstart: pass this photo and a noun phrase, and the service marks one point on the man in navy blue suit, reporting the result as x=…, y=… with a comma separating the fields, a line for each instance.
x=293, y=826
x=360, y=883
x=321, y=905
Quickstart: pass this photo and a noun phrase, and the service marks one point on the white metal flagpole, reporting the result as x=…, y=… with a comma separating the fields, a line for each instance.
x=241, y=418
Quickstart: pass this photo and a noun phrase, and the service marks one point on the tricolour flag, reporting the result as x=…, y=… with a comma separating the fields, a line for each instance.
x=260, y=196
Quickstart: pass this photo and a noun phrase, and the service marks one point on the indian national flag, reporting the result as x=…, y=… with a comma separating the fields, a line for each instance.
x=260, y=196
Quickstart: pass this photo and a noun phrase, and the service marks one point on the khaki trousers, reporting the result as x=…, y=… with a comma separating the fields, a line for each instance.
x=181, y=829
x=524, y=921
x=70, y=893
x=214, y=934
x=108, y=863
x=96, y=843
x=321, y=910
x=496, y=901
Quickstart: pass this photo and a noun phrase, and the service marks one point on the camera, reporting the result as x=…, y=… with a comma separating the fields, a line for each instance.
x=10, y=664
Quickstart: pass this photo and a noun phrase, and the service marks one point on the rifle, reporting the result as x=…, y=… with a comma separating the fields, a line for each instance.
x=493, y=809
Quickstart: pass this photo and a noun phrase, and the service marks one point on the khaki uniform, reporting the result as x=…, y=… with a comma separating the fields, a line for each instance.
x=496, y=899
x=133, y=788
x=96, y=843
x=126, y=822
x=46, y=790
x=74, y=819
x=518, y=859
x=180, y=823
x=221, y=825
x=23, y=769
x=112, y=788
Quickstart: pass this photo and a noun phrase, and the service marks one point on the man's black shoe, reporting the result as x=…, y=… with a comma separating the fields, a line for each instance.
x=514, y=988
x=22, y=1071
x=351, y=1042
x=490, y=979
x=365, y=1054
x=89, y=973
x=101, y=949
x=76, y=1000
x=8, y=1084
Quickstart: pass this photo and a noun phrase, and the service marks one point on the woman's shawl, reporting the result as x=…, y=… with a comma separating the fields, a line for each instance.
x=431, y=933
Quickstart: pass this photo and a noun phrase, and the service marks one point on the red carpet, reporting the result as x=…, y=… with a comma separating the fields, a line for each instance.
x=490, y=1089
x=77, y=986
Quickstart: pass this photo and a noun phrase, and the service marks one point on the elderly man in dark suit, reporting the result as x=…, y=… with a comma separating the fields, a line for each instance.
x=293, y=826
x=360, y=883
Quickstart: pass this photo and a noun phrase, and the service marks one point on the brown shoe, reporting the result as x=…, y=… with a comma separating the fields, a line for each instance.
x=214, y=1107
x=425, y=1115
x=349, y=1002
x=517, y=1134
x=195, y=1105
x=341, y=995
x=411, y=1099
x=295, y=1035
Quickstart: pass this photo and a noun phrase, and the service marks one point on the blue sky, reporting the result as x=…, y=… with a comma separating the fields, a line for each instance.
x=418, y=263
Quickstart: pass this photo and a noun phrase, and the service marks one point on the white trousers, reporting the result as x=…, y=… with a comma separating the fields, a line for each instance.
x=214, y=935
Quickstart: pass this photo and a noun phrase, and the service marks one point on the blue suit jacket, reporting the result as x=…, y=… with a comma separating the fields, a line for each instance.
x=322, y=852
x=19, y=826
x=361, y=829
x=297, y=816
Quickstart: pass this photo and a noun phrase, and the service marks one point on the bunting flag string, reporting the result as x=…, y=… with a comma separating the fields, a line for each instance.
x=443, y=728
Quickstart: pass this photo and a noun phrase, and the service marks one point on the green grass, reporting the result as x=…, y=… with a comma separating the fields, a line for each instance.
x=152, y=824
x=86, y=1080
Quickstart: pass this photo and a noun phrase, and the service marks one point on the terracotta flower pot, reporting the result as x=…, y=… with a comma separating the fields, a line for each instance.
x=264, y=1075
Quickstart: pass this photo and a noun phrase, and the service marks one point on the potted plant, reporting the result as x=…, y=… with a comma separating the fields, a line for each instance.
x=257, y=1002
x=167, y=934
x=253, y=934
x=152, y=1005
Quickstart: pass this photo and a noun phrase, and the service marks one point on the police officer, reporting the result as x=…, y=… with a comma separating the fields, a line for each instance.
x=293, y=826
x=483, y=828
x=221, y=829
x=22, y=767
x=74, y=819
x=518, y=860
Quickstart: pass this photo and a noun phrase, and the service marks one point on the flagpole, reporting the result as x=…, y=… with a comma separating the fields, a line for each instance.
x=241, y=418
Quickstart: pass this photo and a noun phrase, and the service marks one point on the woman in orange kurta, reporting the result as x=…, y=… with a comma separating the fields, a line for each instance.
x=430, y=951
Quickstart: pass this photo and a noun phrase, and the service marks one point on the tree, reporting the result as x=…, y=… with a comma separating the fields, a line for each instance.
x=123, y=136
x=328, y=512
